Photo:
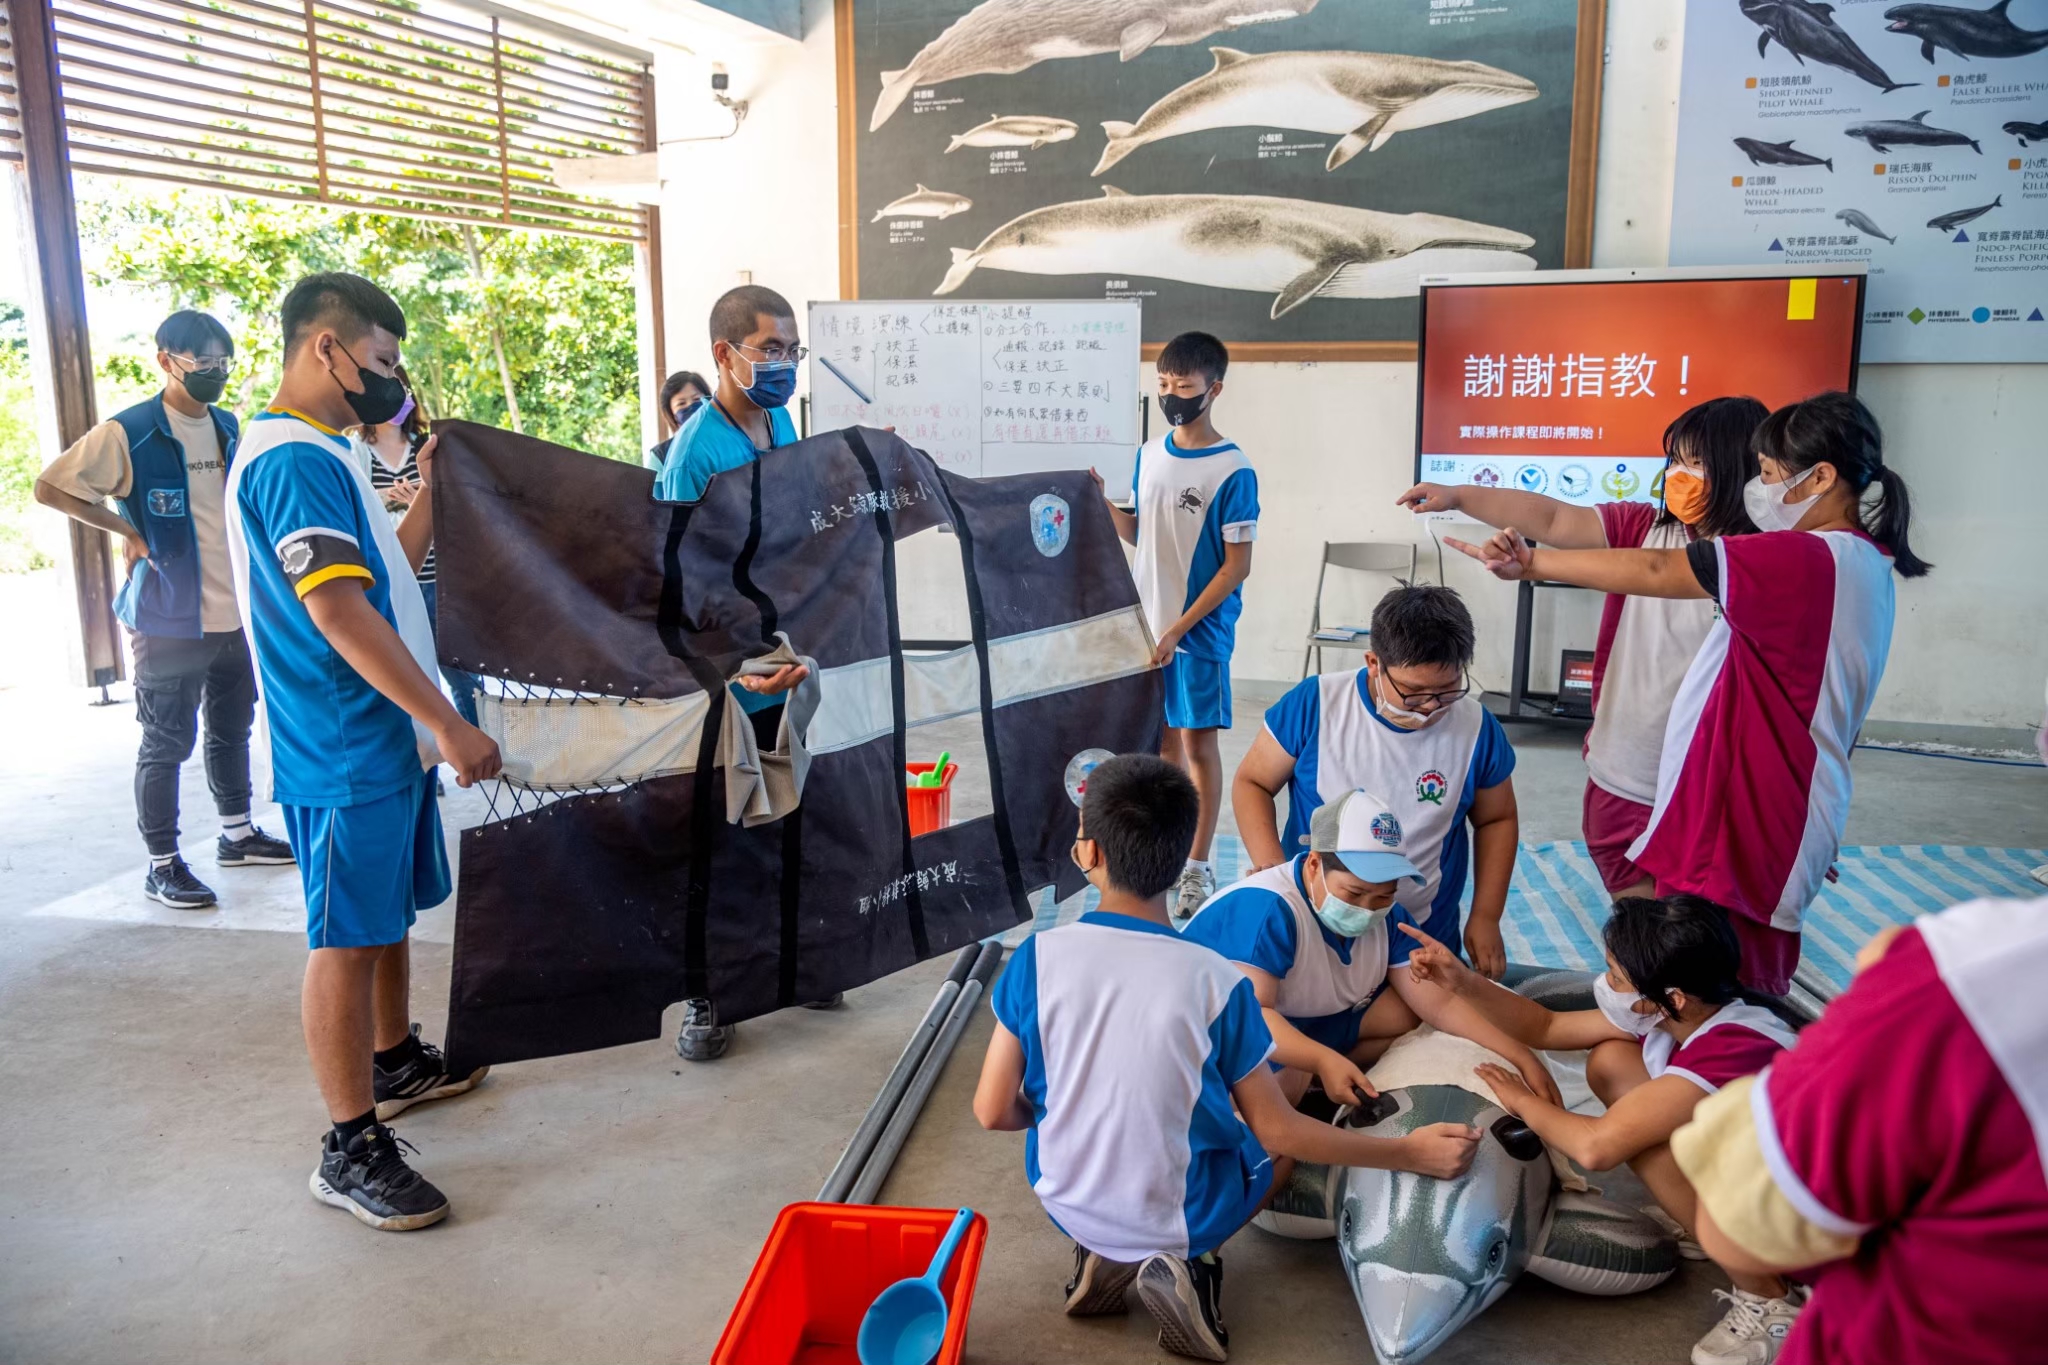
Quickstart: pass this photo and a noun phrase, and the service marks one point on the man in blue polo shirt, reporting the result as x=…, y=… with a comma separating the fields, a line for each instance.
x=754, y=345
x=357, y=722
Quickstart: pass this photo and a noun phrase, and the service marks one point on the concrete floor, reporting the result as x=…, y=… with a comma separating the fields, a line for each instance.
x=160, y=1125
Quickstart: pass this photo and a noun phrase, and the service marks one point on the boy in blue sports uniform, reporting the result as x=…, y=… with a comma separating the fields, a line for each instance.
x=1196, y=514
x=1405, y=725
x=1122, y=1047
x=357, y=723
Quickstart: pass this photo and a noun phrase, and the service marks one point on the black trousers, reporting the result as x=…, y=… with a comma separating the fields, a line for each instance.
x=175, y=680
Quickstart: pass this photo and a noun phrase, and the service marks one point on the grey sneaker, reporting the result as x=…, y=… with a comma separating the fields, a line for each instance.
x=1186, y=1297
x=1097, y=1288
x=1196, y=886
x=703, y=1038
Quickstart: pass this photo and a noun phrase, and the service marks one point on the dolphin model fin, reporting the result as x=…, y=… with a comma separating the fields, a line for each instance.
x=1763, y=41
x=1226, y=56
x=1596, y=1246
x=1369, y=136
x=1112, y=192
x=1120, y=144
x=1306, y=285
x=1138, y=35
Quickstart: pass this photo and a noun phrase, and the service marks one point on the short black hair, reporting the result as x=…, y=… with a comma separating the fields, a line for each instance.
x=1422, y=624
x=1837, y=429
x=334, y=298
x=1720, y=432
x=1193, y=353
x=732, y=317
x=192, y=331
x=1676, y=942
x=1140, y=810
x=673, y=385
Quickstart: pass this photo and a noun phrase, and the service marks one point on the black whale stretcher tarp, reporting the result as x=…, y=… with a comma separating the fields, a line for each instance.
x=611, y=883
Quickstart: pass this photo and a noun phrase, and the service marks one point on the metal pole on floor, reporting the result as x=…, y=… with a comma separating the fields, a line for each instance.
x=863, y=1141
x=905, y=1118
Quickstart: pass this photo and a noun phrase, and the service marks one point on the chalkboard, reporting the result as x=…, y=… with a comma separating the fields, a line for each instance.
x=1280, y=174
x=985, y=388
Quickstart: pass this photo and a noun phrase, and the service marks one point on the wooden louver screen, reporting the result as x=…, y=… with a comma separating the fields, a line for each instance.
x=10, y=96
x=369, y=104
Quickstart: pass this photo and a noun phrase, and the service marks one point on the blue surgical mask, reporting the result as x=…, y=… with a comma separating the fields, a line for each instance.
x=774, y=382
x=1344, y=919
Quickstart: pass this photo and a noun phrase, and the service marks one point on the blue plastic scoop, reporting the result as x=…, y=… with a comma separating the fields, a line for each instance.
x=906, y=1324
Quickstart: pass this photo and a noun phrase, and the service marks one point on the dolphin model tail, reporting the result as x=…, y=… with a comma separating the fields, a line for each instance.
x=896, y=88
x=963, y=266
x=1121, y=144
x=1829, y=162
x=954, y=145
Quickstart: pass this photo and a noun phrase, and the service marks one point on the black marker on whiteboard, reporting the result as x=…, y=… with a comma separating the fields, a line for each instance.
x=844, y=378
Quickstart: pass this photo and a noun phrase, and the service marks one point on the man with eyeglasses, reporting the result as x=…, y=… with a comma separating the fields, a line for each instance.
x=754, y=345
x=1405, y=725
x=164, y=462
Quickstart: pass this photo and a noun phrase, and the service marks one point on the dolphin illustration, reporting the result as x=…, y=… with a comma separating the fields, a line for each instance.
x=1883, y=134
x=924, y=203
x=2027, y=133
x=1806, y=28
x=1949, y=221
x=1858, y=219
x=1295, y=248
x=1367, y=96
x=1002, y=37
x=1024, y=130
x=1965, y=32
x=1762, y=153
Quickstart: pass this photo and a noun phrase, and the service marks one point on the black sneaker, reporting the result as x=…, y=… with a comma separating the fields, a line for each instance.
x=1097, y=1288
x=255, y=849
x=1187, y=1299
x=370, y=1179
x=173, y=884
x=423, y=1078
x=703, y=1038
x=830, y=1002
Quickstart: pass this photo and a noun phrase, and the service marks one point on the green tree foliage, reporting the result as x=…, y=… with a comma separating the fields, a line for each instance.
x=562, y=307
x=18, y=454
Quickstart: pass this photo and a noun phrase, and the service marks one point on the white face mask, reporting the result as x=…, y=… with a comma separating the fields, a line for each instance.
x=1414, y=720
x=1766, y=504
x=1615, y=1007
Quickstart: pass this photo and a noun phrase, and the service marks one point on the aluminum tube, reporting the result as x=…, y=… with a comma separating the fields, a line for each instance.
x=905, y=1118
x=863, y=1141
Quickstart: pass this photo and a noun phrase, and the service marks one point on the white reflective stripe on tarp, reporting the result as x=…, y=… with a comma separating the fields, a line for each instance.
x=595, y=742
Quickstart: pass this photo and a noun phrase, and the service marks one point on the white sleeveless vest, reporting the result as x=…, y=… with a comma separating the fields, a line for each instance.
x=1319, y=983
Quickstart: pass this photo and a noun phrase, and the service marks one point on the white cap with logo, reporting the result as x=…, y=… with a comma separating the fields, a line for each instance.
x=1364, y=833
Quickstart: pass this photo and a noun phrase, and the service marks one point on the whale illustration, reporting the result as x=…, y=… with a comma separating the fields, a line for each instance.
x=1947, y=222
x=1858, y=219
x=924, y=203
x=1806, y=29
x=1366, y=96
x=1002, y=37
x=1762, y=153
x=2027, y=133
x=1024, y=130
x=1296, y=249
x=1965, y=32
x=1886, y=133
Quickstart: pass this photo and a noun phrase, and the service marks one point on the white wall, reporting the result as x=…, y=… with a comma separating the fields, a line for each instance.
x=1334, y=443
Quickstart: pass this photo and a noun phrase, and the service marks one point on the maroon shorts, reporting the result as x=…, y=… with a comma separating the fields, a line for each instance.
x=1769, y=955
x=1611, y=824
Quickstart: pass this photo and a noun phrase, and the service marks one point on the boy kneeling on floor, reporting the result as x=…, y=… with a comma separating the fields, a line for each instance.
x=1122, y=1046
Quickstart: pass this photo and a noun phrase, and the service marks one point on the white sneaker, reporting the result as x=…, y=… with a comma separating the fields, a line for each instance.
x=1753, y=1330
x=1197, y=884
x=1675, y=1230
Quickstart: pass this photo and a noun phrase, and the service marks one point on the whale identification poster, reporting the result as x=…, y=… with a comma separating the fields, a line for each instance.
x=1910, y=138
x=1278, y=172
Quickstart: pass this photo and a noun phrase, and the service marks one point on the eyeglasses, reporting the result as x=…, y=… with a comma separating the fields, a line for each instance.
x=778, y=353
x=212, y=364
x=1411, y=700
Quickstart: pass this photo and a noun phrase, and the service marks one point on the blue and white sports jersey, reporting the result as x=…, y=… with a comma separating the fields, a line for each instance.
x=302, y=513
x=709, y=444
x=1340, y=742
x=1190, y=503
x=1265, y=921
x=1132, y=1039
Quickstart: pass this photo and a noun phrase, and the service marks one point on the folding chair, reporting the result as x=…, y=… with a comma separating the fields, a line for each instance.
x=1362, y=556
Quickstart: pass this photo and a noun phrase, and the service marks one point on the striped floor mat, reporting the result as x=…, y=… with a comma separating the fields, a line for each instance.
x=1556, y=905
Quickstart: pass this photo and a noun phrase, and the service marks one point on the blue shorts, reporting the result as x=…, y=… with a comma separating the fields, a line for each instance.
x=1197, y=693
x=368, y=870
x=1258, y=1183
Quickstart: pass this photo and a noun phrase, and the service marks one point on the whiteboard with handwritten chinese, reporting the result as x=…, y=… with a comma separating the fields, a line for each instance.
x=985, y=388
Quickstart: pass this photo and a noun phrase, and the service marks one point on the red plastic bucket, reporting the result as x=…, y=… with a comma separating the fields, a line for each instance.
x=821, y=1268
x=930, y=807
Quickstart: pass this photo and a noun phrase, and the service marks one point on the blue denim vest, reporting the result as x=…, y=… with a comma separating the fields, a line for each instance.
x=161, y=596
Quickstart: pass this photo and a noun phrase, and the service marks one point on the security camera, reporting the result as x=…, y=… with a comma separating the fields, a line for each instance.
x=720, y=81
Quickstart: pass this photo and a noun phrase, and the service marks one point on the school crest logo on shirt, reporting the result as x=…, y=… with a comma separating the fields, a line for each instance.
x=1387, y=829
x=296, y=558
x=1431, y=787
x=1051, y=523
x=167, y=502
x=1190, y=500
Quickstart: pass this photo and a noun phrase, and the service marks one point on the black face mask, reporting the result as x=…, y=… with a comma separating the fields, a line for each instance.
x=1179, y=411
x=381, y=398
x=205, y=386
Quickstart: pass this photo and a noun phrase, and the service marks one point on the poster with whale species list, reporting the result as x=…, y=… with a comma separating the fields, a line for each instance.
x=1909, y=138
x=1281, y=173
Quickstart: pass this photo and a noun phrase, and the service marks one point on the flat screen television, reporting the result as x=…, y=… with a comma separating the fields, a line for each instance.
x=1562, y=382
